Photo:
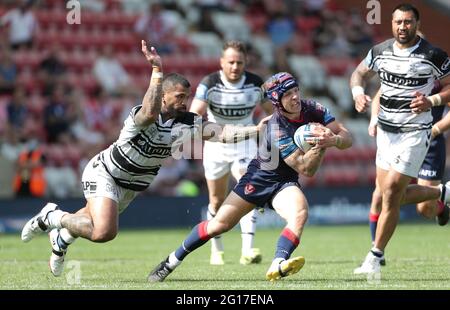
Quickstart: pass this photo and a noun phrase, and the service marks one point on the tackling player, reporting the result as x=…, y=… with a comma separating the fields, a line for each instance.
x=113, y=178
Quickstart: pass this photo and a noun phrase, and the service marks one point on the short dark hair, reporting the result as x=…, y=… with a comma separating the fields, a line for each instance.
x=173, y=79
x=406, y=7
x=234, y=44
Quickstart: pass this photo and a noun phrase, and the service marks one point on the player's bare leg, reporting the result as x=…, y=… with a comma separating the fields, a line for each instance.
x=433, y=208
x=249, y=254
x=100, y=224
x=229, y=214
x=217, y=191
x=291, y=205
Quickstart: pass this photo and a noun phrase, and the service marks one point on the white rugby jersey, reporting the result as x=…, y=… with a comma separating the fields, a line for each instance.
x=402, y=73
x=230, y=103
x=135, y=158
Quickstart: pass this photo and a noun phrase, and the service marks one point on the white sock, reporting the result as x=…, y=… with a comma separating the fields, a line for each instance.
x=173, y=261
x=248, y=228
x=66, y=236
x=54, y=218
x=276, y=261
x=377, y=251
x=216, y=242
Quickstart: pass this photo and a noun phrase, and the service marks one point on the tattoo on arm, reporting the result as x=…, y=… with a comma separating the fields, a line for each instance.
x=360, y=75
x=152, y=101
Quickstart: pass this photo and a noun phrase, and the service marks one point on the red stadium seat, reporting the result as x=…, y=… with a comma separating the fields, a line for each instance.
x=257, y=22
x=337, y=66
x=306, y=24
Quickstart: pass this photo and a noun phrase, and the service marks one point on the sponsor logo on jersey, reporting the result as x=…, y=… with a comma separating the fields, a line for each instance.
x=232, y=112
x=428, y=173
x=388, y=77
x=89, y=186
x=249, y=189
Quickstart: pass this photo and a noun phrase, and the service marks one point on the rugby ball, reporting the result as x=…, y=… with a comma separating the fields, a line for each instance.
x=300, y=136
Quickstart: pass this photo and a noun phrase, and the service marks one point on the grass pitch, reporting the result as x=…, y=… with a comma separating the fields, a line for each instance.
x=417, y=258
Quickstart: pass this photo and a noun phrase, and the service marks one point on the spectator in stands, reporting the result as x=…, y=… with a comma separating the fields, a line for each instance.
x=157, y=28
x=313, y=7
x=62, y=181
x=281, y=30
x=58, y=116
x=217, y=5
x=206, y=23
x=255, y=62
x=22, y=24
x=18, y=114
x=359, y=33
x=331, y=39
x=52, y=68
x=97, y=6
x=110, y=74
x=29, y=180
x=101, y=114
x=8, y=71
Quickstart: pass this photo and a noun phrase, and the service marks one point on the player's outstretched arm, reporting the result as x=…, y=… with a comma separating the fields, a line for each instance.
x=231, y=133
x=151, y=104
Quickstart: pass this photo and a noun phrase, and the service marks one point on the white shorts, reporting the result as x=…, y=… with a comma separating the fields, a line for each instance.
x=404, y=152
x=97, y=182
x=220, y=158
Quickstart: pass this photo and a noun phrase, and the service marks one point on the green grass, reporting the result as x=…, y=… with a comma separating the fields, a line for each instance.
x=417, y=258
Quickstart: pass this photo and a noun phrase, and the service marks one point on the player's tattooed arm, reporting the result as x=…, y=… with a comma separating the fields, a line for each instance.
x=151, y=104
x=231, y=133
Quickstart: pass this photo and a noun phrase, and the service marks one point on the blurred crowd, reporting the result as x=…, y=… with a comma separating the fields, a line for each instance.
x=65, y=89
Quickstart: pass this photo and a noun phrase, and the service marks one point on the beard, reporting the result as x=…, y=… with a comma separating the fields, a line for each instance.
x=407, y=37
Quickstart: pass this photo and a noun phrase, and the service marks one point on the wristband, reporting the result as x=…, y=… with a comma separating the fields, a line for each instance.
x=373, y=121
x=437, y=130
x=436, y=100
x=157, y=75
x=357, y=90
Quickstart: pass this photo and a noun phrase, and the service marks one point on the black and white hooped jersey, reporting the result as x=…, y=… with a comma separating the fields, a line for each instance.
x=230, y=103
x=135, y=158
x=402, y=72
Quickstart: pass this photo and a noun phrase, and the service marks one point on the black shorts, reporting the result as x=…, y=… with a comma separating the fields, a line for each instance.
x=256, y=188
x=433, y=166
